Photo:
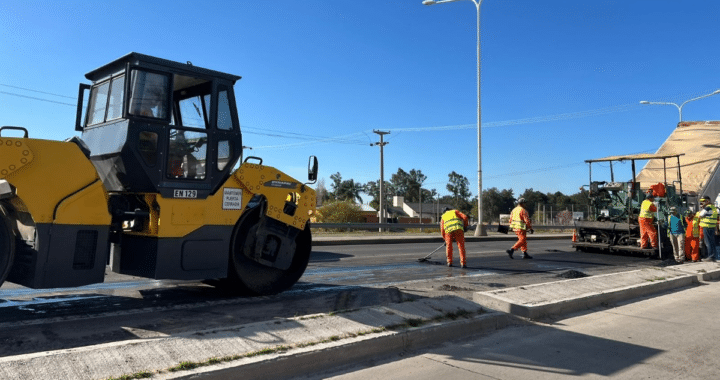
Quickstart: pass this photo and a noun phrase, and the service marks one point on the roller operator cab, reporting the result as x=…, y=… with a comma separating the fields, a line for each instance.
x=152, y=187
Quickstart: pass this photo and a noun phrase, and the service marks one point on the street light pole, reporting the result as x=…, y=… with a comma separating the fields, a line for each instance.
x=679, y=107
x=479, y=230
x=381, y=143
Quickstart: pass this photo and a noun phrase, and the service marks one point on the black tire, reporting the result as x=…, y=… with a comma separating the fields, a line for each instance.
x=7, y=246
x=248, y=277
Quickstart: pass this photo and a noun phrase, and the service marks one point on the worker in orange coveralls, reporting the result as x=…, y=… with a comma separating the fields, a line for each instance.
x=452, y=226
x=645, y=219
x=693, y=236
x=520, y=223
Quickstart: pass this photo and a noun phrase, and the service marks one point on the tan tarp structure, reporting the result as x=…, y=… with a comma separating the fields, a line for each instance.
x=699, y=144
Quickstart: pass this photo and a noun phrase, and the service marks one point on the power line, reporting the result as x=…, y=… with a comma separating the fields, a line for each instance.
x=34, y=98
x=537, y=119
x=40, y=92
x=316, y=141
x=302, y=136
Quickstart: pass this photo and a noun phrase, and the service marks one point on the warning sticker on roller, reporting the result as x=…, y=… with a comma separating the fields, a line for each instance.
x=232, y=199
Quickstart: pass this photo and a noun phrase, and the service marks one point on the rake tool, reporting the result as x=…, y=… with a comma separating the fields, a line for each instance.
x=423, y=259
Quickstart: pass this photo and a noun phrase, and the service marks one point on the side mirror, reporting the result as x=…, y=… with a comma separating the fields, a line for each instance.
x=312, y=169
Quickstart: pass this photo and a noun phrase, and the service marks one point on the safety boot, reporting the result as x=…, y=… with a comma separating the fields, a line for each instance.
x=510, y=252
x=526, y=256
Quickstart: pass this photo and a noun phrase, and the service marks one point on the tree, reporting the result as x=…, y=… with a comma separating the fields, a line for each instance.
x=339, y=212
x=559, y=201
x=581, y=198
x=407, y=184
x=532, y=199
x=347, y=190
x=335, y=185
x=373, y=188
x=321, y=191
x=350, y=191
x=459, y=187
x=495, y=202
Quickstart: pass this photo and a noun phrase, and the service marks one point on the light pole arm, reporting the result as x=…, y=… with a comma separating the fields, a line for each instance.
x=665, y=103
x=433, y=2
x=679, y=107
x=699, y=97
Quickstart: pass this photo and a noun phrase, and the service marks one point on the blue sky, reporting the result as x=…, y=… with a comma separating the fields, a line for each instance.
x=561, y=80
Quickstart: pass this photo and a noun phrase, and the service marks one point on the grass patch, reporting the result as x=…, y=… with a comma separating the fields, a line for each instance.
x=139, y=375
x=184, y=366
x=312, y=317
x=656, y=279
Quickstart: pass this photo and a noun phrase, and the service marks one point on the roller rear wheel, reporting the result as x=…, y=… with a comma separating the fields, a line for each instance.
x=252, y=278
x=7, y=246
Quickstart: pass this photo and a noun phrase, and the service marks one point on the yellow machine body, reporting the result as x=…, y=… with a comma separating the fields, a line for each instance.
x=150, y=189
x=177, y=217
x=54, y=181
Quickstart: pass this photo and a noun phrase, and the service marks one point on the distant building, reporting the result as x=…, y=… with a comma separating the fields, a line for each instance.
x=369, y=213
x=412, y=212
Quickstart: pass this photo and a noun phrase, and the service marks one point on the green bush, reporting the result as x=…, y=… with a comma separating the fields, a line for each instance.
x=340, y=212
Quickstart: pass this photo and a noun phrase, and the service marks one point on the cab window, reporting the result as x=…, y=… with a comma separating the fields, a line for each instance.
x=106, y=101
x=194, y=111
x=187, y=154
x=224, y=119
x=149, y=94
x=98, y=103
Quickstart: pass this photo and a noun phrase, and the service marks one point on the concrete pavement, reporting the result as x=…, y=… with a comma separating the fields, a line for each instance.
x=673, y=335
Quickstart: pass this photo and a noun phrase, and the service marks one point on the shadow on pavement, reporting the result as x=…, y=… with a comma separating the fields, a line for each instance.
x=322, y=256
x=531, y=349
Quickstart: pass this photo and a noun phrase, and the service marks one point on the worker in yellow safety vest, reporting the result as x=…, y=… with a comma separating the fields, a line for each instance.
x=521, y=224
x=645, y=220
x=452, y=226
x=709, y=224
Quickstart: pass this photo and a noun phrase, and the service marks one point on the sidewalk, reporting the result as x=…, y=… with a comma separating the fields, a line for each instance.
x=291, y=347
x=670, y=336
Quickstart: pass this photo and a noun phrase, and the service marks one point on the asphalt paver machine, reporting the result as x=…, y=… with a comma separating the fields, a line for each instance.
x=612, y=222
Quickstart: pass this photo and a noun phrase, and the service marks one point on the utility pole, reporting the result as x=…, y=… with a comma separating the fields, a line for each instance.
x=381, y=143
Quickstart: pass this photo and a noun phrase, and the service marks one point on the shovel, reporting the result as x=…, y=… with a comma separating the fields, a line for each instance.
x=423, y=259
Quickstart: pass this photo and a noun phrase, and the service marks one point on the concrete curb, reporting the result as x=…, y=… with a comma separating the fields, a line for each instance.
x=329, y=240
x=536, y=301
x=279, y=346
x=292, y=364
x=703, y=271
